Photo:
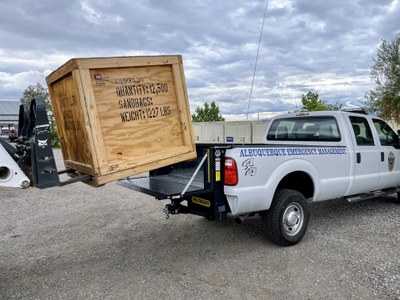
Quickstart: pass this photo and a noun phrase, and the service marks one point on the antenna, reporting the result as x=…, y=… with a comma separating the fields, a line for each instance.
x=255, y=64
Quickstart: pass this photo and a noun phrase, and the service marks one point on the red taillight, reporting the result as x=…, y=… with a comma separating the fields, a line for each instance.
x=230, y=172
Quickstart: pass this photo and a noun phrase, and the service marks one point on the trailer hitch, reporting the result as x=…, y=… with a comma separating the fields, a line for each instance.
x=175, y=208
x=169, y=209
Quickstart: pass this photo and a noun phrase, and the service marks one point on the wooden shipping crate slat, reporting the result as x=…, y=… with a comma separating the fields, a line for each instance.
x=141, y=169
x=120, y=116
x=129, y=61
x=90, y=107
x=183, y=106
x=68, y=111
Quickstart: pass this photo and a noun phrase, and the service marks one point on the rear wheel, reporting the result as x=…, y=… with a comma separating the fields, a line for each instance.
x=287, y=219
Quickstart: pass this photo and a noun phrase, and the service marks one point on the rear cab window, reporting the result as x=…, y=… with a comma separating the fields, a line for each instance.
x=319, y=128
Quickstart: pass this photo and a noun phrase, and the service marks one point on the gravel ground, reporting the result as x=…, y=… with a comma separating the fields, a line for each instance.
x=78, y=242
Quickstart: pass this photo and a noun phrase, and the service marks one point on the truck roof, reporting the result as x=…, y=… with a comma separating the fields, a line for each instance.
x=323, y=113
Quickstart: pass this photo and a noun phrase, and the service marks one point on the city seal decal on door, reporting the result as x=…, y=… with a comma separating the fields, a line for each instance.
x=391, y=160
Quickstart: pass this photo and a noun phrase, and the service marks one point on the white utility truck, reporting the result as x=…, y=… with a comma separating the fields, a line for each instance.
x=305, y=157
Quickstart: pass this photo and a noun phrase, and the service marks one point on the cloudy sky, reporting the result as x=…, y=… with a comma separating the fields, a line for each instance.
x=324, y=46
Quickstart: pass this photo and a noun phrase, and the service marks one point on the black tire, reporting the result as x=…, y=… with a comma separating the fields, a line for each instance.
x=398, y=197
x=287, y=219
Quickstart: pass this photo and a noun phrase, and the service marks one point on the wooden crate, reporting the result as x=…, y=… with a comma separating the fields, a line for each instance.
x=121, y=116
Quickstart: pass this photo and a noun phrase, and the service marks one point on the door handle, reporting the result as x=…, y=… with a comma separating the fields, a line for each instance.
x=382, y=156
x=358, y=157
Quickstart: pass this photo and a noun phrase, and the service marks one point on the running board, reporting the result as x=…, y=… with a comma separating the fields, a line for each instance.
x=374, y=194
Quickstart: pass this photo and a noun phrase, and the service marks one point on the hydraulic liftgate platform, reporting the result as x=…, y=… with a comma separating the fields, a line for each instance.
x=198, y=182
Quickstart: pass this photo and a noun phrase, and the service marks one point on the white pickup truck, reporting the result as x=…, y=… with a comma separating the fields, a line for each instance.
x=306, y=157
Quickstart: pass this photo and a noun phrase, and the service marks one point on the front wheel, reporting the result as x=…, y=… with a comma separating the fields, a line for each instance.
x=287, y=219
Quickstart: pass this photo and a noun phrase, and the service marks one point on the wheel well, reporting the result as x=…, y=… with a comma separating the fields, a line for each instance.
x=299, y=181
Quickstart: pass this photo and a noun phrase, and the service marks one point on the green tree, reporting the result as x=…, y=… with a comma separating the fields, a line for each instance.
x=311, y=102
x=384, y=98
x=207, y=114
x=38, y=90
x=33, y=91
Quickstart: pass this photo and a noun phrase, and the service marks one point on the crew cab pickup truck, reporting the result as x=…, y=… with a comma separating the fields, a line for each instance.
x=305, y=158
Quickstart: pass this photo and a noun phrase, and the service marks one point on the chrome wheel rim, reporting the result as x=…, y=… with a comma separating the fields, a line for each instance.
x=293, y=219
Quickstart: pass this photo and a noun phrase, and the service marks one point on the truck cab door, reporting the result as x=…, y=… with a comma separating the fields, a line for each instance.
x=389, y=155
x=367, y=157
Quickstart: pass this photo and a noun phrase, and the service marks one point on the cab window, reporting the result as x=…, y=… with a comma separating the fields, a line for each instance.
x=387, y=136
x=323, y=129
x=362, y=131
